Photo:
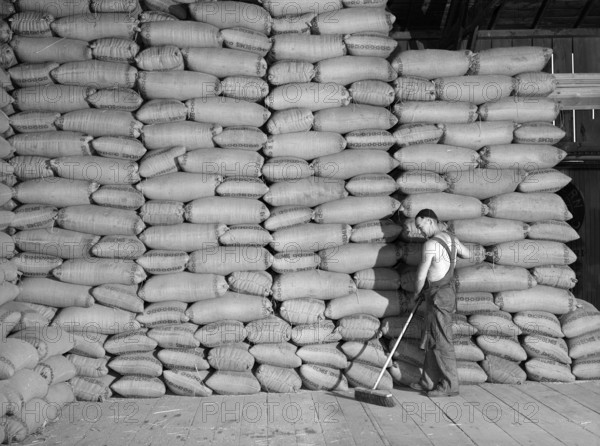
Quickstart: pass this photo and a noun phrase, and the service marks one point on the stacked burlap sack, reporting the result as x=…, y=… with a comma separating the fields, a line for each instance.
x=477, y=139
x=133, y=141
x=69, y=134
x=215, y=197
x=329, y=186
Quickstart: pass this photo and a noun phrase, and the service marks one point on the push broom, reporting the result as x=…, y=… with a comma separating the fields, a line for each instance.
x=384, y=397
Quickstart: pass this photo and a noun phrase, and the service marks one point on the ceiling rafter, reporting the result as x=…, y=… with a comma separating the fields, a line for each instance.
x=584, y=12
x=540, y=13
x=463, y=21
x=494, y=18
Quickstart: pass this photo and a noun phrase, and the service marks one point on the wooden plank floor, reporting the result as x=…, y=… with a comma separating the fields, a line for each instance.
x=551, y=414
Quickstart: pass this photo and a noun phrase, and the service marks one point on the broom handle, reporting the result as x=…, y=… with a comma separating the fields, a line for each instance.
x=389, y=358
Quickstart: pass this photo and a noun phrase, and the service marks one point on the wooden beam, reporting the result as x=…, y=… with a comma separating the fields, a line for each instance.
x=462, y=22
x=575, y=79
x=579, y=163
x=445, y=15
x=480, y=12
x=584, y=12
x=540, y=13
x=454, y=12
x=472, y=41
x=495, y=15
x=578, y=101
x=537, y=33
x=452, y=31
x=579, y=91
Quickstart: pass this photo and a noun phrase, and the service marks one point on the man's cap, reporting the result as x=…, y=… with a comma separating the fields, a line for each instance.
x=427, y=213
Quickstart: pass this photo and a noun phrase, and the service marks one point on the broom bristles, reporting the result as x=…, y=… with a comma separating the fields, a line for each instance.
x=378, y=397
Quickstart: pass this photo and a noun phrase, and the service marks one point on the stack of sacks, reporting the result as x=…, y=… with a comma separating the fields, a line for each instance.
x=301, y=297
x=239, y=260
x=74, y=137
x=427, y=167
x=34, y=381
x=468, y=354
x=547, y=351
x=34, y=412
x=34, y=372
x=497, y=337
x=137, y=172
x=7, y=177
x=535, y=203
x=515, y=182
x=29, y=404
x=328, y=163
x=51, y=344
x=581, y=328
x=275, y=356
x=173, y=236
x=222, y=337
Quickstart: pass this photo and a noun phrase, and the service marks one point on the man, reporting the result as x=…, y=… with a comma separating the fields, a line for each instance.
x=435, y=278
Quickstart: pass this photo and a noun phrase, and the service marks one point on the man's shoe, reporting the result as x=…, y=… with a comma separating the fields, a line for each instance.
x=418, y=387
x=437, y=392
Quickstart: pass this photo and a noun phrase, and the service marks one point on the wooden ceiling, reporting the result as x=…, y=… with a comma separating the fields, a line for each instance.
x=495, y=14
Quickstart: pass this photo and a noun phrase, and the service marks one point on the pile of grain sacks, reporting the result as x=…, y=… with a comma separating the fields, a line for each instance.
x=219, y=197
x=477, y=148
x=329, y=187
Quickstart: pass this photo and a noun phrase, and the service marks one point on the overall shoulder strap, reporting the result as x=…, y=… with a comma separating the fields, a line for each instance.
x=453, y=247
x=451, y=252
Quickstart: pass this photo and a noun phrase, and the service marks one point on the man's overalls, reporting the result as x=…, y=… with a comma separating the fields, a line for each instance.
x=439, y=368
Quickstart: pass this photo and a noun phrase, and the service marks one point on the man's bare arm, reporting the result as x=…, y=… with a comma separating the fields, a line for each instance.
x=462, y=251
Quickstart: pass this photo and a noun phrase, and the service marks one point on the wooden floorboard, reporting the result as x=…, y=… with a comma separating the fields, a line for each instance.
x=589, y=386
x=473, y=422
x=380, y=424
x=205, y=422
x=428, y=417
x=308, y=431
x=333, y=424
x=117, y=416
x=76, y=420
x=168, y=421
x=282, y=415
x=359, y=422
x=523, y=430
x=565, y=406
x=253, y=428
x=132, y=415
x=579, y=393
x=552, y=414
x=553, y=423
x=394, y=424
x=231, y=412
